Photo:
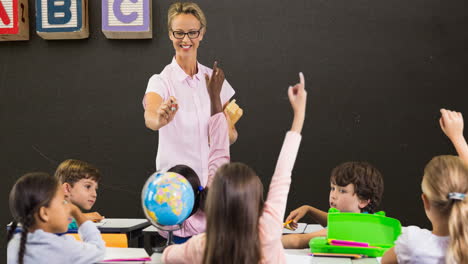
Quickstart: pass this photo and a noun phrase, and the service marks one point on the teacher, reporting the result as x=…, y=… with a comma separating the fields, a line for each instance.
x=176, y=101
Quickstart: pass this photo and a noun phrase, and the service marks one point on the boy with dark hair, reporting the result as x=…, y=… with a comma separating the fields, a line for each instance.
x=355, y=187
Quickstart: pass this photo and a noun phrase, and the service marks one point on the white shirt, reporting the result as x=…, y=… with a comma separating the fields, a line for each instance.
x=49, y=248
x=420, y=246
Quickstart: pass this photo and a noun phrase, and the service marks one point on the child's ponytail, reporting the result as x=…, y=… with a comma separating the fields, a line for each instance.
x=445, y=184
x=11, y=231
x=457, y=251
x=28, y=195
x=202, y=195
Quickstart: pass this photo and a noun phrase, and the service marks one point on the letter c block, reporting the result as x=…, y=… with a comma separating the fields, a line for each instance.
x=127, y=19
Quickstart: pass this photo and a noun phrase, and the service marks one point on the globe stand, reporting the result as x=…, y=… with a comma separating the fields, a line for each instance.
x=170, y=237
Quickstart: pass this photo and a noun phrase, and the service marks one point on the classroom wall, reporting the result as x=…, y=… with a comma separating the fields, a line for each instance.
x=377, y=73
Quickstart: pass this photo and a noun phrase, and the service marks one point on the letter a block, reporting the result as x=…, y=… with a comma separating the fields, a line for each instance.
x=62, y=19
x=14, y=21
x=127, y=19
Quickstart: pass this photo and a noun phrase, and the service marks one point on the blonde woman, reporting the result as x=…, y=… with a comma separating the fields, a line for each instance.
x=445, y=190
x=177, y=103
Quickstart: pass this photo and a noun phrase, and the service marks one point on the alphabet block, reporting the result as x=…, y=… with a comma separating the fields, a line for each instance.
x=14, y=20
x=127, y=19
x=62, y=19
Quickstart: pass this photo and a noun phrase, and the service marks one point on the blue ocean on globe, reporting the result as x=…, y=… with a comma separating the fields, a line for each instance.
x=167, y=198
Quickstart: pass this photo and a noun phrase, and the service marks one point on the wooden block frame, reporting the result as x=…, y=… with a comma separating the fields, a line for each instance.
x=114, y=28
x=79, y=30
x=14, y=12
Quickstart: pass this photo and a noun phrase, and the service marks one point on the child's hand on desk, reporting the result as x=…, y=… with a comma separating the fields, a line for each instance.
x=94, y=216
x=296, y=215
x=451, y=123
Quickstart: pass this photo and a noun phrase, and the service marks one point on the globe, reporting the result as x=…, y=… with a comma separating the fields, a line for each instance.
x=167, y=199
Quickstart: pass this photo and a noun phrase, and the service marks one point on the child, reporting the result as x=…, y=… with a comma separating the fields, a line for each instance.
x=196, y=222
x=444, y=187
x=37, y=202
x=218, y=155
x=241, y=227
x=356, y=187
x=80, y=183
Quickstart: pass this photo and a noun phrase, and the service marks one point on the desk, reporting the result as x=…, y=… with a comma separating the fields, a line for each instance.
x=293, y=256
x=125, y=253
x=132, y=227
x=313, y=228
x=299, y=256
x=129, y=226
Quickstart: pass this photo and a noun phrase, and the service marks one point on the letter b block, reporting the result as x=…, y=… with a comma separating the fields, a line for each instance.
x=127, y=19
x=62, y=19
x=14, y=21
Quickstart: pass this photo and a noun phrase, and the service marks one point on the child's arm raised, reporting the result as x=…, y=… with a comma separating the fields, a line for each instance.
x=451, y=123
x=218, y=126
x=275, y=204
x=298, y=99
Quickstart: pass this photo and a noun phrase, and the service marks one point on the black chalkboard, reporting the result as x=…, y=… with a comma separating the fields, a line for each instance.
x=377, y=73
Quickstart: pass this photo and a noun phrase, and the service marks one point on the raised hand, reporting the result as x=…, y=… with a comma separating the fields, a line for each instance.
x=298, y=99
x=451, y=123
x=214, y=85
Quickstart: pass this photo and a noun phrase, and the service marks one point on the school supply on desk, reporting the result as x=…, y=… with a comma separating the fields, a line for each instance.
x=287, y=226
x=355, y=233
x=125, y=254
x=337, y=255
x=299, y=230
x=112, y=240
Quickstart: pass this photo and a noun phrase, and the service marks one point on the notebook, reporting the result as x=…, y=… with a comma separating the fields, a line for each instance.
x=125, y=254
x=299, y=230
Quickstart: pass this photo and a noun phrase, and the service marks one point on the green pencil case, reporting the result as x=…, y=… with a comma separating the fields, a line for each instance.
x=379, y=231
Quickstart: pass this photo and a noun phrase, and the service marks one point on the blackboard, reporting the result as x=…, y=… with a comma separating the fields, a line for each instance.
x=377, y=73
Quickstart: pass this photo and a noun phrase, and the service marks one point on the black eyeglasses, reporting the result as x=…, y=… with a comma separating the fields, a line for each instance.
x=190, y=34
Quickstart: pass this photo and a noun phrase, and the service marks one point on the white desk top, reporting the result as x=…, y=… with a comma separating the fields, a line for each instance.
x=302, y=228
x=125, y=253
x=313, y=228
x=119, y=225
x=299, y=256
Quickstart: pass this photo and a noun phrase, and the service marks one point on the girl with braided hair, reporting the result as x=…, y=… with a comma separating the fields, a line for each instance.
x=37, y=202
